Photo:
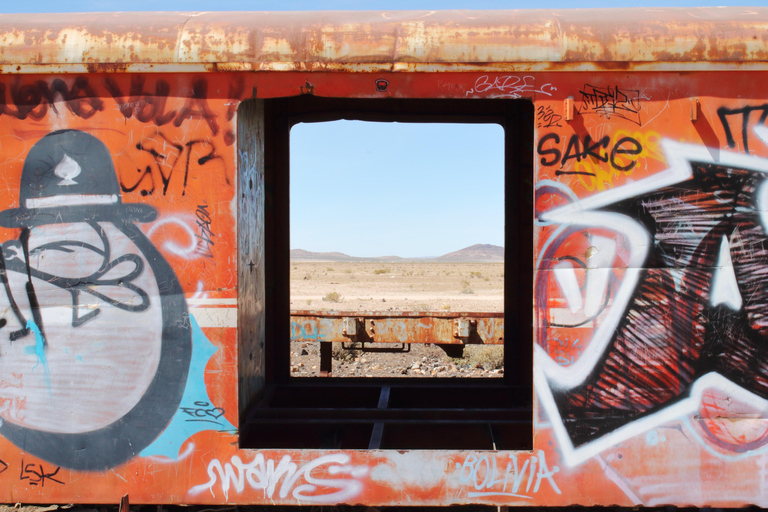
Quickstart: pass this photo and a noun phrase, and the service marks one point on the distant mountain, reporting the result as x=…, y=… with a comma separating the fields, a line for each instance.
x=302, y=255
x=478, y=253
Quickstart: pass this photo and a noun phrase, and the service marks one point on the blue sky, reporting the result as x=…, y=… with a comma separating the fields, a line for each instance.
x=374, y=189
x=402, y=189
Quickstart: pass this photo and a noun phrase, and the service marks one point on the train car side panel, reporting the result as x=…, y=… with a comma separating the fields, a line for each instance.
x=120, y=291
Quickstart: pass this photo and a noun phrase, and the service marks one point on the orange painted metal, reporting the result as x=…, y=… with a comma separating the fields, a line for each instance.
x=172, y=141
x=177, y=153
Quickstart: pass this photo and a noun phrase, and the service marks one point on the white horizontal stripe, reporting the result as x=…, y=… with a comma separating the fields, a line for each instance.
x=215, y=317
x=70, y=200
x=211, y=302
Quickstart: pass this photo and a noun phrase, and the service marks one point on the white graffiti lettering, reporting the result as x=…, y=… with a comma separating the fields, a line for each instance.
x=262, y=474
x=187, y=249
x=509, y=86
x=483, y=474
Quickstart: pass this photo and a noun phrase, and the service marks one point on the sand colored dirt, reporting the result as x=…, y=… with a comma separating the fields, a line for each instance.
x=470, y=287
x=393, y=288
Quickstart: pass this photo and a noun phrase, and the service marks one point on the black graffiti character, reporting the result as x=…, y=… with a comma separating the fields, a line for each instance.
x=96, y=321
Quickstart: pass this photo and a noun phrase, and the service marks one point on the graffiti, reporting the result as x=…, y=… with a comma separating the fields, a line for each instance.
x=582, y=149
x=33, y=100
x=83, y=98
x=610, y=102
x=94, y=284
x=565, y=351
x=151, y=107
x=546, y=117
x=13, y=408
x=311, y=330
x=197, y=107
x=188, y=251
x=121, y=347
x=490, y=476
x=687, y=311
x=144, y=105
x=203, y=411
x=303, y=483
x=91, y=305
x=205, y=243
x=715, y=427
x=193, y=415
x=35, y=474
x=162, y=159
x=509, y=86
x=165, y=154
x=593, y=175
x=744, y=122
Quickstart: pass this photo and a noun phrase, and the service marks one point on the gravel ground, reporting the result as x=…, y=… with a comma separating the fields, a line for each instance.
x=420, y=361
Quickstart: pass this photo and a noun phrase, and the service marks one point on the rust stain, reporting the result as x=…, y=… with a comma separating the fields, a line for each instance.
x=344, y=40
x=405, y=327
x=614, y=65
x=107, y=67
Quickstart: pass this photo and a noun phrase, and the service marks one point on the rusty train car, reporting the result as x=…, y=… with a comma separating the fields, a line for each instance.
x=145, y=260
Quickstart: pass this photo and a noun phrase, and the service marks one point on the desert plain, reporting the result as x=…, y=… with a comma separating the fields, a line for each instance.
x=344, y=286
x=398, y=287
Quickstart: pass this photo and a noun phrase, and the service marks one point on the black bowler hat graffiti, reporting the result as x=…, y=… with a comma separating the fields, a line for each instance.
x=68, y=176
x=128, y=340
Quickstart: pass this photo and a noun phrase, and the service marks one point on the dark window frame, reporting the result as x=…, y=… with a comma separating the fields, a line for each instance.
x=448, y=402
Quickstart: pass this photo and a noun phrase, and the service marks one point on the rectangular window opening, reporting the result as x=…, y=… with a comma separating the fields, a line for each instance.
x=394, y=317
x=397, y=250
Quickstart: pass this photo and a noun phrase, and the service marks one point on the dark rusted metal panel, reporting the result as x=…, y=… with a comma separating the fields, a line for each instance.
x=385, y=41
x=412, y=327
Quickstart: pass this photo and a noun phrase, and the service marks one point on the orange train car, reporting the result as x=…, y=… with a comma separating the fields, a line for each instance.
x=145, y=260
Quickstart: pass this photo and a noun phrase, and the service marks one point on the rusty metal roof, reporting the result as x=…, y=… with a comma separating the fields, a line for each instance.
x=576, y=39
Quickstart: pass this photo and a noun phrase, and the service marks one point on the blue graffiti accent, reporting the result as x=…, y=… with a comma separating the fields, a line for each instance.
x=321, y=332
x=196, y=411
x=39, y=351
